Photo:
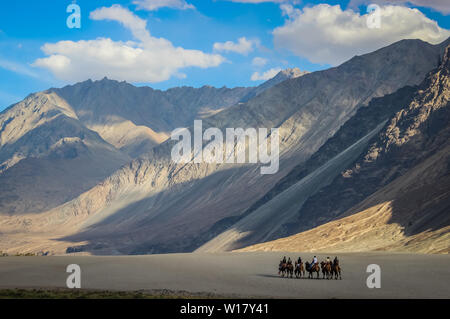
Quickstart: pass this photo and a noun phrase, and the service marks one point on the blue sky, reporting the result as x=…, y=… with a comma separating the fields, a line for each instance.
x=194, y=43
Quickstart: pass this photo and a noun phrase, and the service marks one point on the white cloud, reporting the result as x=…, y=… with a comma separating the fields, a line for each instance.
x=129, y=20
x=266, y=75
x=152, y=5
x=328, y=35
x=442, y=6
x=243, y=46
x=288, y=9
x=149, y=59
x=261, y=1
x=258, y=61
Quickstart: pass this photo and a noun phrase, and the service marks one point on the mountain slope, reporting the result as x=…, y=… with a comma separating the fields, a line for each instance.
x=365, y=120
x=155, y=205
x=51, y=139
x=252, y=226
x=42, y=143
x=135, y=119
x=396, y=196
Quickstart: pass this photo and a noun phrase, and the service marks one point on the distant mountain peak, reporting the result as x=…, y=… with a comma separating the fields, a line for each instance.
x=291, y=73
x=283, y=75
x=286, y=74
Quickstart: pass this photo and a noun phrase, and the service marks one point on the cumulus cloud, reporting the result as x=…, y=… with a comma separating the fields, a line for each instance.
x=329, y=35
x=258, y=61
x=261, y=1
x=149, y=59
x=153, y=5
x=242, y=46
x=136, y=25
x=442, y=6
x=266, y=75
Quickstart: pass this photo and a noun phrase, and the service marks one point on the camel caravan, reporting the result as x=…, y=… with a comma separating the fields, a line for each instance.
x=328, y=268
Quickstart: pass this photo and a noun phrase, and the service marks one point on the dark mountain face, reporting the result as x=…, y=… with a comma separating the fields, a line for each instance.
x=418, y=130
x=325, y=101
x=365, y=120
x=395, y=195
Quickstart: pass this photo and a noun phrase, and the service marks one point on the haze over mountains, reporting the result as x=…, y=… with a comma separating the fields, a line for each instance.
x=87, y=168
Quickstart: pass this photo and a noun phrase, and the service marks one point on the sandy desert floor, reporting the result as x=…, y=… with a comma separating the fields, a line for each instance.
x=236, y=274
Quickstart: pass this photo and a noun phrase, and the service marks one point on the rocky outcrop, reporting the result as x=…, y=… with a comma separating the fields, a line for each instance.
x=413, y=134
x=395, y=196
x=270, y=219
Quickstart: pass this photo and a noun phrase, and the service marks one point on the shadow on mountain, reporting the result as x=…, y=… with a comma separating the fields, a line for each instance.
x=402, y=178
x=167, y=230
x=175, y=228
x=62, y=159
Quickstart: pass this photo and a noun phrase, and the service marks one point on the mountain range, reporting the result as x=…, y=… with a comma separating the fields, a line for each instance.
x=396, y=195
x=87, y=168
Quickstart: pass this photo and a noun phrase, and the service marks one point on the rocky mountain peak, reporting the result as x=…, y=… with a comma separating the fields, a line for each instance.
x=291, y=73
x=283, y=75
